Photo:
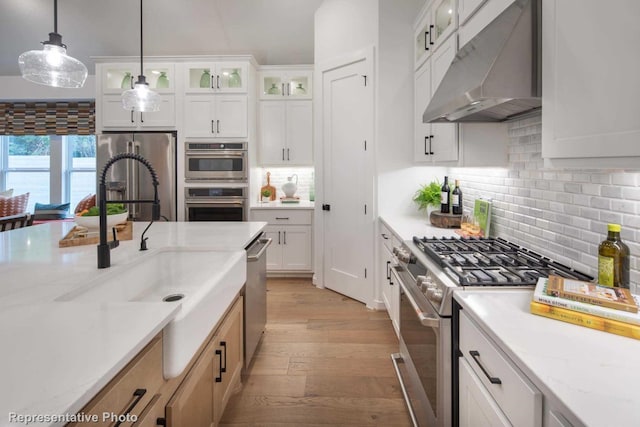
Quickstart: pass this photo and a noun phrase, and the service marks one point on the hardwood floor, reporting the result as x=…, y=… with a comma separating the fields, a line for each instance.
x=324, y=360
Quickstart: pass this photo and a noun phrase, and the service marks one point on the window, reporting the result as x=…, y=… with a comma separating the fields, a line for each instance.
x=52, y=168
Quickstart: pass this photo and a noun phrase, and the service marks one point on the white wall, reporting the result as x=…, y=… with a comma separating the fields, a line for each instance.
x=344, y=26
x=17, y=88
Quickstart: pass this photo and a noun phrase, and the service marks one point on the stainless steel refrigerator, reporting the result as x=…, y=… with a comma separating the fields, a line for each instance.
x=130, y=180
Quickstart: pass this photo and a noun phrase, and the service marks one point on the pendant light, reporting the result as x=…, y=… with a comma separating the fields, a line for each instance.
x=141, y=98
x=51, y=66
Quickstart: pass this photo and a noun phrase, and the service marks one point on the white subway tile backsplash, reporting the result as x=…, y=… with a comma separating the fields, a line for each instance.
x=559, y=213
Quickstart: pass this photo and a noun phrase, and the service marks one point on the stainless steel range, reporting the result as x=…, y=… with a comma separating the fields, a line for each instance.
x=428, y=271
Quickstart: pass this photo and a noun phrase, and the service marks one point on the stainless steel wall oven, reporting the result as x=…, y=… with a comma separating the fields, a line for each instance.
x=216, y=161
x=216, y=204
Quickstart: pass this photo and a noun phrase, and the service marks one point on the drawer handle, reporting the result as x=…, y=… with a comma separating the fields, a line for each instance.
x=283, y=218
x=219, y=378
x=476, y=354
x=136, y=398
x=223, y=344
x=384, y=236
x=389, y=272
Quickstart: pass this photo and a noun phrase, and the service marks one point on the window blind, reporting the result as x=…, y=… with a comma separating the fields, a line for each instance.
x=47, y=118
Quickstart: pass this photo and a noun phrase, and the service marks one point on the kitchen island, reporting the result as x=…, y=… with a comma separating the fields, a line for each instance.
x=58, y=354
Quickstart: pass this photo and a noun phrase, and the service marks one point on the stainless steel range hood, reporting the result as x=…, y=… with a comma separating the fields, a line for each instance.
x=496, y=75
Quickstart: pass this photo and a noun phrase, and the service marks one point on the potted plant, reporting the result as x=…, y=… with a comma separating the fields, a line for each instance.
x=266, y=195
x=428, y=196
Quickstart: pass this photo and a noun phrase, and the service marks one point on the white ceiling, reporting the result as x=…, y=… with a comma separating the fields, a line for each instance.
x=274, y=31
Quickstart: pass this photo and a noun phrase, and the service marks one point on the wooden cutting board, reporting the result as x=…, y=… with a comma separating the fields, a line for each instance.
x=269, y=187
x=76, y=236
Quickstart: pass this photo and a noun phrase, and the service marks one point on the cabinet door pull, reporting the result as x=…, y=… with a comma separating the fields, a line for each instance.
x=430, y=139
x=278, y=237
x=288, y=154
x=283, y=94
x=389, y=270
x=223, y=344
x=476, y=354
x=131, y=116
x=218, y=81
x=135, y=399
x=213, y=86
x=217, y=126
x=384, y=236
x=426, y=152
x=283, y=154
x=212, y=126
x=141, y=117
x=283, y=218
x=219, y=377
x=431, y=32
x=426, y=46
x=284, y=233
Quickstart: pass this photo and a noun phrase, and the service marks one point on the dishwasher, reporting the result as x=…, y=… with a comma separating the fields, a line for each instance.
x=255, y=295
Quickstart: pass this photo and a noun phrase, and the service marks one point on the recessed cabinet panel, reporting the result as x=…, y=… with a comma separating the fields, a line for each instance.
x=477, y=408
x=422, y=88
x=466, y=8
x=231, y=112
x=299, y=133
x=199, y=115
x=286, y=132
x=296, y=243
x=215, y=116
x=114, y=116
x=273, y=132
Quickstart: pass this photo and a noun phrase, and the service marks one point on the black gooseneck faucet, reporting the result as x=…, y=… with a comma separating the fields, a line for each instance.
x=104, y=247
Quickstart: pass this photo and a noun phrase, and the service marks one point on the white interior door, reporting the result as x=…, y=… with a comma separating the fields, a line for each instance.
x=347, y=119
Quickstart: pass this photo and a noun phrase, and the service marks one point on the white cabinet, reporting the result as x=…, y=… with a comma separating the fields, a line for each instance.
x=436, y=23
x=466, y=8
x=285, y=83
x=286, y=132
x=389, y=289
x=492, y=388
x=291, y=234
x=216, y=77
x=116, y=117
x=215, y=116
x=590, y=108
x=436, y=142
x=115, y=78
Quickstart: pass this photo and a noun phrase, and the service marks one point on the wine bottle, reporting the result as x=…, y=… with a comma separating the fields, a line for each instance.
x=456, y=199
x=613, y=259
x=445, y=193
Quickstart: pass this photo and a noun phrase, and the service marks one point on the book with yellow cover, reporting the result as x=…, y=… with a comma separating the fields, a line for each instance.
x=586, y=320
x=540, y=295
x=591, y=293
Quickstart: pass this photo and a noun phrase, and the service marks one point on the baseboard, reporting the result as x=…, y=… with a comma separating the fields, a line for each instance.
x=290, y=274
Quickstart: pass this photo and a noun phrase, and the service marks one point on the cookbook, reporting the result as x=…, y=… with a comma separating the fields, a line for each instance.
x=591, y=293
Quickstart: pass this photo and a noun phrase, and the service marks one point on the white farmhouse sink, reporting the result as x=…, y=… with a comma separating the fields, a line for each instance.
x=206, y=281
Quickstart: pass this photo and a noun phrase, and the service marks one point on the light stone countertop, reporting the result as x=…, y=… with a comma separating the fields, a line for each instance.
x=591, y=376
x=407, y=226
x=57, y=355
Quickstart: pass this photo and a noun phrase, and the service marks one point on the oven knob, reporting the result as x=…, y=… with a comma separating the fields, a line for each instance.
x=435, y=295
x=420, y=280
x=395, y=250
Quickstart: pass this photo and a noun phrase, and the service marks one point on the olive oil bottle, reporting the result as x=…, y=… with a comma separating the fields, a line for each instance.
x=613, y=259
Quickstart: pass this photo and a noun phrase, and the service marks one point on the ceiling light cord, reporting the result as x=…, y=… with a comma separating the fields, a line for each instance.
x=55, y=16
x=141, y=66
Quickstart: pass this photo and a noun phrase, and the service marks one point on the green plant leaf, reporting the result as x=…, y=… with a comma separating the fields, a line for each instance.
x=428, y=195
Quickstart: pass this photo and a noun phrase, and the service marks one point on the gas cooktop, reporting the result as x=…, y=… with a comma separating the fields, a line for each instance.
x=492, y=261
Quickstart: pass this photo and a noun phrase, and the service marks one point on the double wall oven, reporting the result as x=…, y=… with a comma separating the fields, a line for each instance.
x=427, y=272
x=216, y=174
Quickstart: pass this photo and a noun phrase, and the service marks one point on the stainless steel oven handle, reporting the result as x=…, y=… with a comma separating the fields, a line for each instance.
x=394, y=358
x=429, y=321
x=215, y=154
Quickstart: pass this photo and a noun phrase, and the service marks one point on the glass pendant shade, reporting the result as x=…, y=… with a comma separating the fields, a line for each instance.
x=141, y=98
x=51, y=66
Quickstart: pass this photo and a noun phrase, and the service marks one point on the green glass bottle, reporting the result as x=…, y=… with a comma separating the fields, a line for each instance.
x=613, y=259
x=126, y=81
x=234, y=79
x=163, y=80
x=205, y=79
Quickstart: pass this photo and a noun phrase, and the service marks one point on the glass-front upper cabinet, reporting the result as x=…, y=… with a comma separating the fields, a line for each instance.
x=435, y=24
x=118, y=77
x=227, y=77
x=444, y=20
x=286, y=84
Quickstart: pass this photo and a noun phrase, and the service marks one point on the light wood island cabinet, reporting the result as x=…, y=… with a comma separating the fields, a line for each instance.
x=139, y=395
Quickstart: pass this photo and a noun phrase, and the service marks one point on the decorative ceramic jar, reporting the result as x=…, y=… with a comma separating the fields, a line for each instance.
x=163, y=80
x=289, y=188
x=205, y=79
